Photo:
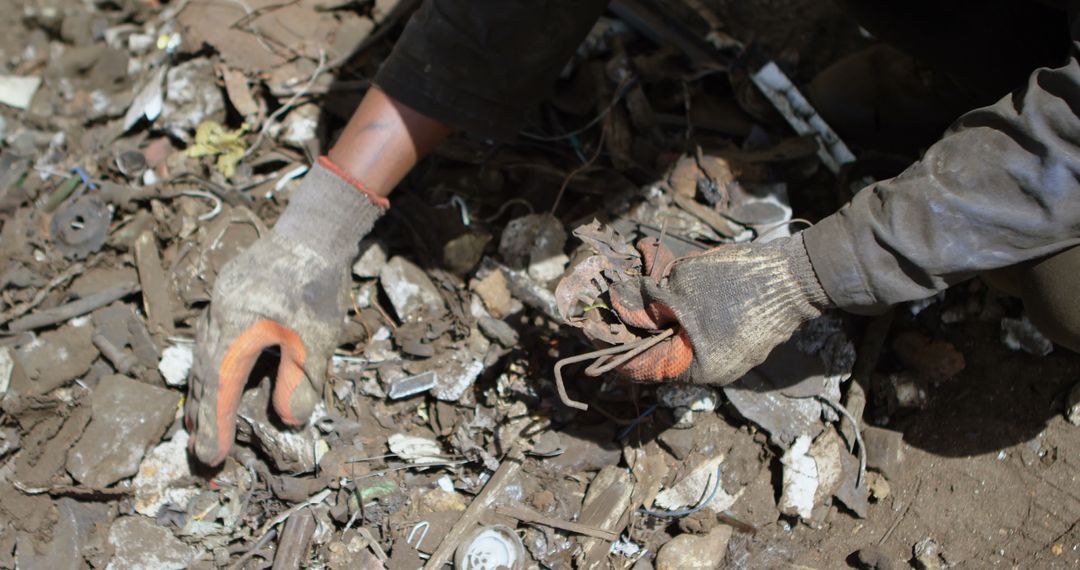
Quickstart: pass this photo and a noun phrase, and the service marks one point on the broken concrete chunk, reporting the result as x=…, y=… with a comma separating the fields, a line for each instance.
x=176, y=361
x=138, y=411
x=411, y=292
x=783, y=417
x=494, y=291
x=57, y=357
x=140, y=544
x=692, y=552
x=1072, y=405
x=828, y=451
x=163, y=467
x=800, y=480
x=371, y=261
x=62, y=552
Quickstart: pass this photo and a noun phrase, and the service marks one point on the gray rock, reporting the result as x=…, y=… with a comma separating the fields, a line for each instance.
x=128, y=417
x=410, y=290
x=140, y=544
x=371, y=261
x=56, y=358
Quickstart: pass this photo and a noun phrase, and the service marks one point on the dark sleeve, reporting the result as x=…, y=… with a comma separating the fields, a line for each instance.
x=479, y=65
x=1002, y=187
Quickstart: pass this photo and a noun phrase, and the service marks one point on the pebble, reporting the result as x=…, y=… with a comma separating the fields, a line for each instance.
x=691, y=552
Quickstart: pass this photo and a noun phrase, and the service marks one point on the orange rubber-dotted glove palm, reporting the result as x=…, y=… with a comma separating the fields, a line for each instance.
x=288, y=290
x=730, y=307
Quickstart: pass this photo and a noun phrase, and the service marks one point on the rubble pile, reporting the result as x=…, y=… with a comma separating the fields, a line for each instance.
x=144, y=144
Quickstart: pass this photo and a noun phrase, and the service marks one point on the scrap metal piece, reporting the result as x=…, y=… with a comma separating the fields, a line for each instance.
x=605, y=362
x=80, y=228
x=412, y=385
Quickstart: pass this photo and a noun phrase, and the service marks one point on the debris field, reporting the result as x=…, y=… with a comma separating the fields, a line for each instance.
x=466, y=420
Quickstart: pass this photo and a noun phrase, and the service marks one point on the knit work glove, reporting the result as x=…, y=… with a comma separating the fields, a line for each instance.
x=730, y=306
x=288, y=290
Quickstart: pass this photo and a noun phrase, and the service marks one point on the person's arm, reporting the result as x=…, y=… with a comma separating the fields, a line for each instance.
x=382, y=142
x=1001, y=187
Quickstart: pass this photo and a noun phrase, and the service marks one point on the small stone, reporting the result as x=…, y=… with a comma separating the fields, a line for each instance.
x=140, y=544
x=410, y=290
x=878, y=486
x=1072, y=407
x=928, y=555
x=494, y=291
x=690, y=552
x=680, y=442
x=872, y=558
x=498, y=331
x=371, y=261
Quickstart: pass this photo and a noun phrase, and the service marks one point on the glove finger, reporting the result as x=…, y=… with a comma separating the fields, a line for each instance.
x=656, y=257
x=628, y=302
x=295, y=396
x=668, y=360
x=216, y=422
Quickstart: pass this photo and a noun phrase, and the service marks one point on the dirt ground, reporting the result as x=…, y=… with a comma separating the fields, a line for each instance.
x=984, y=475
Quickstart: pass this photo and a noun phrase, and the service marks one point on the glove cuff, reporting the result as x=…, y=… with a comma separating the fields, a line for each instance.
x=330, y=213
x=805, y=275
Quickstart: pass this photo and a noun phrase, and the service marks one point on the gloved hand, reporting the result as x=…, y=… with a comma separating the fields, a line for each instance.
x=731, y=306
x=289, y=290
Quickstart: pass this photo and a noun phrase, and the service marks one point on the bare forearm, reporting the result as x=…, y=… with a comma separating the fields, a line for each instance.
x=383, y=141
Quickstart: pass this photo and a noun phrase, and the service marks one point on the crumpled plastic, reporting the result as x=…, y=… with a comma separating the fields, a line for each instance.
x=213, y=139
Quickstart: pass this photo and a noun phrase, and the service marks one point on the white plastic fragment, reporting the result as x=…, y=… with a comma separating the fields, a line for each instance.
x=176, y=361
x=7, y=367
x=492, y=547
x=415, y=449
x=801, y=115
x=149, y=101
x=17, y=91
x=800, y=479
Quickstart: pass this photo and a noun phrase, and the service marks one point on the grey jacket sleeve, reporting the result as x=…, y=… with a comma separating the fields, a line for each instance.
x=479, y=65
x=1001, y=187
